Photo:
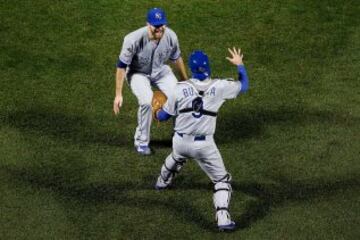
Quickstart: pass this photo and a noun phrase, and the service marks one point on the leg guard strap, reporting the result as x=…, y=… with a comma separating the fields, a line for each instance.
x=221, y=189
x=222, y=209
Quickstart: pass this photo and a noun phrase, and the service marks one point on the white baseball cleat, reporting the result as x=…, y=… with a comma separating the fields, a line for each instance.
x=224, y=222
x=161, y=184
x=143, y=150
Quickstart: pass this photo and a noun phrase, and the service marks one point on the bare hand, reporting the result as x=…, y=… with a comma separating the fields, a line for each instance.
x=236, y=56
x=117, y=104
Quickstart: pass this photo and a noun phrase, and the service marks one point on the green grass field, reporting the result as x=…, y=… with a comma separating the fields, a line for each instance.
x=68, y=169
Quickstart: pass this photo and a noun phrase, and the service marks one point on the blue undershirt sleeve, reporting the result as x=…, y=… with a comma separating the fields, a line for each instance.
x=121, y=64
x=243, y=78
x=162, y=116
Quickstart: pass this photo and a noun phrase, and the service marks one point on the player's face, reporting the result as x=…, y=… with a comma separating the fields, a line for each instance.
x=156, y=32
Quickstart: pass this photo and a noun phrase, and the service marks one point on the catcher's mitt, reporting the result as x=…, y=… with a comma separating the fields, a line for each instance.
x=158, y=101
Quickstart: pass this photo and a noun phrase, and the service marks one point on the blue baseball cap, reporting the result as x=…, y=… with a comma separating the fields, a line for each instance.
x=156, y=17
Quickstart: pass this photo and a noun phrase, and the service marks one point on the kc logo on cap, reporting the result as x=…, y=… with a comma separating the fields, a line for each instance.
x=158, y=16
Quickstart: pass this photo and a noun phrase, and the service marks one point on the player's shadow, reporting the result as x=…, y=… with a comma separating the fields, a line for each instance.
x=166, y=143
x=62, y=126
x=252, y=123
x=284, y=191
x=268, y=196
x=74, y=189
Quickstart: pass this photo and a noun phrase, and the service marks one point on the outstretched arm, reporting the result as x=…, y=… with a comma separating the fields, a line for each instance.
x=162, y=115
x=166, y=111
x=237, y=59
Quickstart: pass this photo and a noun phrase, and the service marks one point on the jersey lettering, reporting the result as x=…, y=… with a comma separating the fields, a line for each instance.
x=212, y=91
x=188, y=92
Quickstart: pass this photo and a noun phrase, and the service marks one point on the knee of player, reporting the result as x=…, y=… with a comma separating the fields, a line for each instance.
x=223, y=183
x=226, y=178
x=145, y=103
x=145, y=108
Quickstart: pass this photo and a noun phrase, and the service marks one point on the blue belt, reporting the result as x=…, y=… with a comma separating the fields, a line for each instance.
x=196, y=137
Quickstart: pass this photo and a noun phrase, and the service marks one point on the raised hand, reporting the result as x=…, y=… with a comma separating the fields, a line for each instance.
x=236, y=56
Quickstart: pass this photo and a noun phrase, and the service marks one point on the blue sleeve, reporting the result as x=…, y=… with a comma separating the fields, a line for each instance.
x=162, y=115
x=121, y=64
x=243, y=78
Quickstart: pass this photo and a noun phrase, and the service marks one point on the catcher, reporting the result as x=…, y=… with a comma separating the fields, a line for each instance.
x=196, y=106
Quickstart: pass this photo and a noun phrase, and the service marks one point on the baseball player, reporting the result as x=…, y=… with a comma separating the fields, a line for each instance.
x=196, y=104
x=142, y=61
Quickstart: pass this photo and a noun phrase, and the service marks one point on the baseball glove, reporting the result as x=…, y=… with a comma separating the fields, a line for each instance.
x=158, y=101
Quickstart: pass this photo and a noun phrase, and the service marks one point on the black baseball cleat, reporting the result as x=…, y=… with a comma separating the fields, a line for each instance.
x=224, y=222
x=227, y=228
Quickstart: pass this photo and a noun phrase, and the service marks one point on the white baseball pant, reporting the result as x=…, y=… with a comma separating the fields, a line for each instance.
x=205, y=152
x=140, y=85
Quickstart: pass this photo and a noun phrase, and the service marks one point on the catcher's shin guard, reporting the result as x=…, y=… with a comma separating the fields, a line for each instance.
x=170, y=167
x=221, y=198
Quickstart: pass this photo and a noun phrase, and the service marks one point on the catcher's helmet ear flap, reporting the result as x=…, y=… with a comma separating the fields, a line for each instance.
x=199, y=65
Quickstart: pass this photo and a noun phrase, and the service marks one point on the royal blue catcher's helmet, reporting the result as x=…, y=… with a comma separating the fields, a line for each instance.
x=199, y=65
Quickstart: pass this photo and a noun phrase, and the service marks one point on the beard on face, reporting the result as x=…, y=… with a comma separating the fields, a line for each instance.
x=159, y=33
x=156, y=33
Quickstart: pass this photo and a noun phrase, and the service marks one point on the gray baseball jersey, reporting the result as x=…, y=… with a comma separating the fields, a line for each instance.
x=207, y=97
x=195, y=106
x=145, y=56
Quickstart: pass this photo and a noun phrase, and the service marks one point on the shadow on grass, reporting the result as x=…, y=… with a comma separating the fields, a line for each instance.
x=70, y=185
x=284, y=191
x=61, y=126
x=71, y=188
x=251, y=123
x=75, y=128
x=248, y=124
x=162, y=143
x=272, y=195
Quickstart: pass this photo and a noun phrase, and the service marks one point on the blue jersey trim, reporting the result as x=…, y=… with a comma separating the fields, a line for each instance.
x=175, y=59
x=243, y=78
x=121, y=64
x=162, y=115
x=200, y=76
